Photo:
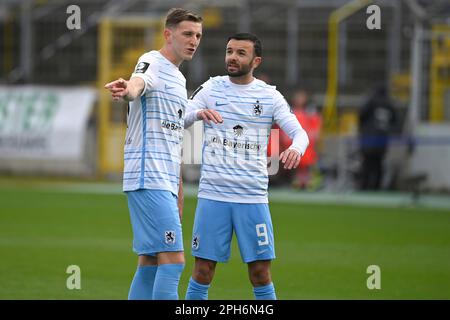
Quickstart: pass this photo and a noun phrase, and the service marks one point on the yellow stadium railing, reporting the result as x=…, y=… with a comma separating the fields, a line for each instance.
x=340, y=14
x=439, y=71
x=117, y=56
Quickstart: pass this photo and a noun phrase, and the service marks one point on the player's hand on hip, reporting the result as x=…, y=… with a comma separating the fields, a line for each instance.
x=209, y=115
x=290, y=158
x=118, y=88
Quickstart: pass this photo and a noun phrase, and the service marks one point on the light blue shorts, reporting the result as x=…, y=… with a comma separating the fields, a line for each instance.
x=215, y=222
x=155, y=221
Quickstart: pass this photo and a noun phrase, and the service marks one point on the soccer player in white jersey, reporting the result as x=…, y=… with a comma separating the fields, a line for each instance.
x=234, y=179
x=157, y=99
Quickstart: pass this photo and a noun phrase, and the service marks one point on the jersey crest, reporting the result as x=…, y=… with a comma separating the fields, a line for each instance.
x=257, y=109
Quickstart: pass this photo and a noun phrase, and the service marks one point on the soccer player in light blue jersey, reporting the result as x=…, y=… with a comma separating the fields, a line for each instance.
x=157, y=99
x=234, y=178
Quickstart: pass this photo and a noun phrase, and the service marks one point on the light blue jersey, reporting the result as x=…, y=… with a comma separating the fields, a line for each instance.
x=234, y=162
x=155, y=127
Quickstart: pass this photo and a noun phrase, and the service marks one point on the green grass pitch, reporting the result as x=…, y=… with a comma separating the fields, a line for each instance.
x=323, y=251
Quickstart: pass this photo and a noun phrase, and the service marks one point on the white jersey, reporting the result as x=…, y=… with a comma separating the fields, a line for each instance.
x=155, y=126
x=234, y=162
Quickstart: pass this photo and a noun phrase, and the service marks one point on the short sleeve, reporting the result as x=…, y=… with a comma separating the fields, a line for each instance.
x=147, y=70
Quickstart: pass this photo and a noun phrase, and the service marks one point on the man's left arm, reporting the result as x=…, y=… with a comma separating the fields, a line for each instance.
x=289, y=124
x=180, y=197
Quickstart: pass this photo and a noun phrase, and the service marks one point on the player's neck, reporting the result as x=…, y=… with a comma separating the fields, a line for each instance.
x=242, y=80
x=170, y=55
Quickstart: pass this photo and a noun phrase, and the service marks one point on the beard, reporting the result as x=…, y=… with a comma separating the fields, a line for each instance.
x=242, y=71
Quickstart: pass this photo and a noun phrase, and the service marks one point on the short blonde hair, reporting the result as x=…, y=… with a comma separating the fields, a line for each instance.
x=177, y=15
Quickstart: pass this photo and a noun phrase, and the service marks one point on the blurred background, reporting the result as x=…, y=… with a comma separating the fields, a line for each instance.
x=323, y=48
x=371, y=87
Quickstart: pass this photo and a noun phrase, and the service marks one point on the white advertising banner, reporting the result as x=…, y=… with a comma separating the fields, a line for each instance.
x=44, y=122
x=432, y=155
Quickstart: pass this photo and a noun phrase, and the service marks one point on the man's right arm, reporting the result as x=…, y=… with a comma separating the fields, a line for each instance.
x=127, y=90
x=135, y=87
x=197, y=108
x=143, y=78
x=206, y=115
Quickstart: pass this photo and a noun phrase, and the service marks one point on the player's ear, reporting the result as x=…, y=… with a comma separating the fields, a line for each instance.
x=256, y=62
x=167, y=34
